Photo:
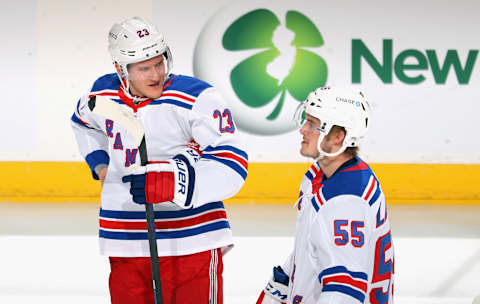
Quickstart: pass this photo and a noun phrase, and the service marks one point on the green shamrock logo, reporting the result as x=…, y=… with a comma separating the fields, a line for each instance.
x=281, y=63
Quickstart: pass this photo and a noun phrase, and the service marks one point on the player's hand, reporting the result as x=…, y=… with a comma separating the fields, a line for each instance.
x=137, y=185
x=172, y=180
x=277, y=288
x=153, y=183
x=102, y=174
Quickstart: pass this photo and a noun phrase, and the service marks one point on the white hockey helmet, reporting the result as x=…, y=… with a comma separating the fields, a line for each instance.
x=335, y=106
x=134, y=40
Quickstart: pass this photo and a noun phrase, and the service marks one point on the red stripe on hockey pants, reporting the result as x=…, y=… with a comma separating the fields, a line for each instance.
x=195, y=278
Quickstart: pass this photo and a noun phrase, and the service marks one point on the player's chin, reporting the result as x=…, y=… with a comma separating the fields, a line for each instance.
x=304, y=151
x=154, y=92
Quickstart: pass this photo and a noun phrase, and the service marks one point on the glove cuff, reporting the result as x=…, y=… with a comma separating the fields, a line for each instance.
x=192, y=155
x=184, y=180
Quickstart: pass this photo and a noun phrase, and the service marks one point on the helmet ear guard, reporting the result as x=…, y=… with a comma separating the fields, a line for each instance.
x=343, y=107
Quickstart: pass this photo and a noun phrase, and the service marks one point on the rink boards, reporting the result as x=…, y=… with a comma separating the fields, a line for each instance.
x=266, y=182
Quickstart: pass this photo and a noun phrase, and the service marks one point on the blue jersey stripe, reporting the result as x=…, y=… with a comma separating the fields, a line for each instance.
x=360, y=296
x=309, y=175
x=165, y=234
x=108, y=81
x=78, y=106
x=187, y=84
x=140, y=215
x=228, y=148
x=239, y=169
x=375, y=195
x=173, y=102
x=342, y=269
x=168, y=101
x=314, y=203
x=78, y=121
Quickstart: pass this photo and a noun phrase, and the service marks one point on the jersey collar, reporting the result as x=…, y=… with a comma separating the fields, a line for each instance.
x=129, y=101
x=349, y=163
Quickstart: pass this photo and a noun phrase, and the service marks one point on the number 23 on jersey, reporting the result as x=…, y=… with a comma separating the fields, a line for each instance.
x=225, y=121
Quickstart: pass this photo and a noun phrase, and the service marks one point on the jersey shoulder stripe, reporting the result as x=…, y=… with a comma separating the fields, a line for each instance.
x=76, y=117
x=176, y=98
x=106, y=82
x=340, y=279
x=179, y=90
x=79, y=121
x=187, y=85
x=313, y=171
x=372, y=190
x=182, y=91
x=107, y=85
x=318, y=200
x=356, y=179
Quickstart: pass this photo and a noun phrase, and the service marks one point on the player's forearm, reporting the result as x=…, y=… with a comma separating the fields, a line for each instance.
x=215, y=182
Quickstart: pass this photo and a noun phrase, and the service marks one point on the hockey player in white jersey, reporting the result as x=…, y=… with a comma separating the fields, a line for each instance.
x=343, y=247
x=187, y=124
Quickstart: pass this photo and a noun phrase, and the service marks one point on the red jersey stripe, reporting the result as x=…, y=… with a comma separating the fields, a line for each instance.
x=360, y=166
x=242, y=161
x=178, y=96
x=319, y=197
x=142, y=225
x=86, y=124
x=345, y=279
x=104, y=94
x=371, y=189
x=169, y=82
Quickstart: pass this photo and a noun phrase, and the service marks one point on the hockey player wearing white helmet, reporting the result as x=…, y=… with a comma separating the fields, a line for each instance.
x=141, y=56
x=196, y=161
x=343, y=249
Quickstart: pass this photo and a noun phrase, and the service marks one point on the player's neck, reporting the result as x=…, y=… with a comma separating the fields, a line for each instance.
x=330, y=165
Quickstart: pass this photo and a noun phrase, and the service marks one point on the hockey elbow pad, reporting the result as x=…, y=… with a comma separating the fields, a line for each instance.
x=276, y=290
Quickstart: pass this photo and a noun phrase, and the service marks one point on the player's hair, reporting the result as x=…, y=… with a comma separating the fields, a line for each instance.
x=352, y=151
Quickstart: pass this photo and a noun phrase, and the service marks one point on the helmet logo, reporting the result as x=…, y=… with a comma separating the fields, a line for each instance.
x=347, y=100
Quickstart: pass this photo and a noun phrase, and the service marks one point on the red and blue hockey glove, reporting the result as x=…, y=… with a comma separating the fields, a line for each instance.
x=168, y=181
x=137, y=186
x=277, y=288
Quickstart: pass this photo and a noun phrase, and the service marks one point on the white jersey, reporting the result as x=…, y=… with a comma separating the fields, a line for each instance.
x=189, y=109
x=343, y=247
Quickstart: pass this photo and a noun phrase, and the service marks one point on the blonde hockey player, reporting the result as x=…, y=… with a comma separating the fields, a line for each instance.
x=343, y=247
x=196, y=161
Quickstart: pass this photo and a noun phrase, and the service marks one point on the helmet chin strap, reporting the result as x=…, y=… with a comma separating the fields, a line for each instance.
x=126, y=90
x=323, y=154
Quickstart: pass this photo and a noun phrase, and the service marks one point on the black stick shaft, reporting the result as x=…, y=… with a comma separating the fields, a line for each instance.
x=152, y=238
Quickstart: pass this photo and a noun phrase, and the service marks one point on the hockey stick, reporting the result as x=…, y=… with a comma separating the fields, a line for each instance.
x=108, y=108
